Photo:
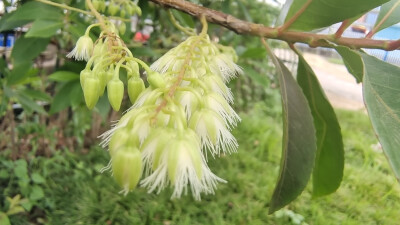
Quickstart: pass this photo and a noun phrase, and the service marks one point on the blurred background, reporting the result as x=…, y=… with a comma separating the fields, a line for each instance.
x=49, y=151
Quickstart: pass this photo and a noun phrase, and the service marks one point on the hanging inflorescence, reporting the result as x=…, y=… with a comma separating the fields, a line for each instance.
x=183, y=115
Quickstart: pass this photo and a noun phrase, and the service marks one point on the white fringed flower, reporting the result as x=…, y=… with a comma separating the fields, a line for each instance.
x=218, y=86
x=181, y=164
x=218, y=104
x=214, y=135
x=222, y=65
x=83, y=49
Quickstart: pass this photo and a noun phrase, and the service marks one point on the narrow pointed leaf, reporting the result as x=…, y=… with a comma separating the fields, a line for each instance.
x=353, y=62
x=299, y=143
x=381, y=89
x=329, y=160
x=323, y=13
x=388, y=15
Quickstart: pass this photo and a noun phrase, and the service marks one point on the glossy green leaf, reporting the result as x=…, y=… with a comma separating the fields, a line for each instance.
x=35, y=10
x=323, y=13
x=381, y=89
x=63, y=76
x=26, y=49
x=19, y=72
x=353, y=62
x=388, y=15
x=5, y=24
x=299, y=142
x=62, y=99
x=44, y=28
x=329, y=160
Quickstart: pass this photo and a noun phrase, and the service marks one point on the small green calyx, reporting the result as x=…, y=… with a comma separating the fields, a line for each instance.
x=135, y=88
x=115, y=90
x=91, y=91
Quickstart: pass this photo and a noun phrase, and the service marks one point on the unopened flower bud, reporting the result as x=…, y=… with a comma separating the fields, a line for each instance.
x=122, y=13
x=127, y=168
x=122, y=28
x=156, y=80
x=113, y=8
x=138, y=11
x=84, y=74
x=130, y=9
x=122, y=137
x=134, y=66
x=115, y=90
x=91, y=91
x=135, y=88
x=103, y=82
x=96, y=4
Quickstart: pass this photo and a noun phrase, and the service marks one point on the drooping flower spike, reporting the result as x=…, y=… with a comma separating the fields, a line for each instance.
x=183, y=116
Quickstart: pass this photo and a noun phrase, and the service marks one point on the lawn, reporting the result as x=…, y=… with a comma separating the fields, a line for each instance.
x=73, y=191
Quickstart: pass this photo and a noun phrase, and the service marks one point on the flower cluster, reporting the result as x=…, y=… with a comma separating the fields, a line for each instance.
x=104, y=59
x=123, y=7
x=181, y=117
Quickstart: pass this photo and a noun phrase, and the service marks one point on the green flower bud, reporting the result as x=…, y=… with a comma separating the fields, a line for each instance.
x=96, y=4
x=102, y=6
x=122, y=13
x=134, y=66
x=138, y=11
x=130, y=9
x=122, y=28
x=113, y=9
x=127, y=168
x=156, y=80
x=110, y=74
x=84, y=74
x=115, y=90
x=91, y=91
x=135, y=88
x=103, y=82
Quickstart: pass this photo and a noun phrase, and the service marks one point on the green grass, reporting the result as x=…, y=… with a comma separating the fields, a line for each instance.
x=75, y=193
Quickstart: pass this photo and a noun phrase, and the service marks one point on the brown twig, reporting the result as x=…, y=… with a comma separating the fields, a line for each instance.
x=244, y=27
x=342, y=28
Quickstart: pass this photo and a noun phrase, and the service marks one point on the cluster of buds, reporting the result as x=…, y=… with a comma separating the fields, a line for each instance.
x=122, y=7
x=181, y=117
x=104, y=59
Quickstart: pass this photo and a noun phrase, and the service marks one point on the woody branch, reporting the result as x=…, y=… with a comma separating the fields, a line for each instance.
x=243, y=27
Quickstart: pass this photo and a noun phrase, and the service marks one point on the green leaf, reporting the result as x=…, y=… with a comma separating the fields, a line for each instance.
x=185, y=19
x=21, y=168
x=37, y=178
x=353, y=62
x=36, y=193
x=388, y=15
x=19, y=72
x=4, y=219
x=299, y=143
x=329, y=161
x=381, y=89
x=35, y=94
x=26, y=49
x=5, y=24
x=62, y=99
x=63, y=76
x=323, y=13
x=28, y=103
x=35, y=10
x=44, y=28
